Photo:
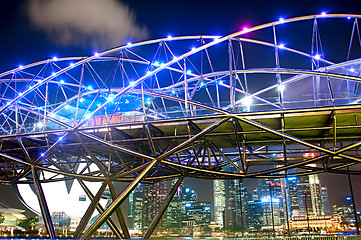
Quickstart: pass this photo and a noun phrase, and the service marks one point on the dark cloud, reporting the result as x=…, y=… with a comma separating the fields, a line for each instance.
x=84, y=23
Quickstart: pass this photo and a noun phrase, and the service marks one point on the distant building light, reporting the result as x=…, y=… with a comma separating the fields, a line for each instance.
x=188, y=205
x=348, y=198
x=291, y=178
x=268, y=200
x=207, y=208
x=187, y=190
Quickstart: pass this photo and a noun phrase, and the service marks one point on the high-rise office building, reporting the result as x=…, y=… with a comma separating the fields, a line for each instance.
x=154, y=196
x=254, y=215
x=174, y=211
x=219, y=201
x=315, y=190
x=304, y=195
x=271, y=197
x=325, y=202
x=135, y=209
x=232, y=211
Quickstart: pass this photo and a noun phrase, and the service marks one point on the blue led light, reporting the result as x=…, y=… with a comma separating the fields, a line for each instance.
x=281, y=20
x=90, y=88
x=55, y=59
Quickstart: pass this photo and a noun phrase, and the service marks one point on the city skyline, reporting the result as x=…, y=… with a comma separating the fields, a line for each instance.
x=253, y=105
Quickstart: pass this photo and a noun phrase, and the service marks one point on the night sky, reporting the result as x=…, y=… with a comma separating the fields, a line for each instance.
x=36, y=30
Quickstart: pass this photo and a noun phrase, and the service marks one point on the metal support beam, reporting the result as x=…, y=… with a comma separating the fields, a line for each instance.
x=43, y=205
x=161, y=211
x=100, y=209
x=116, y=203
x=120, y=216
x=89, y=212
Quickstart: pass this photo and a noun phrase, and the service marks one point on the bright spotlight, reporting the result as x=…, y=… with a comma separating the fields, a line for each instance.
x=281, y=20
x=55, y=58
x=110, y=98
x=317, y=57
x=281, y=46
x=281, y=87
x=131, y=83
x=247, y=101
x=96, y=54
x=323, y=14
x=61, y=81
x=169, y=37
x=53, y=74
x=40, y=125
x=90, y=88
x=245, y=29
x=88, y=116
x=21, y=67
x=189, y=72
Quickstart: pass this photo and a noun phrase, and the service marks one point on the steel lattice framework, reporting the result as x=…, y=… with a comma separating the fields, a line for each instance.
x=188, y=106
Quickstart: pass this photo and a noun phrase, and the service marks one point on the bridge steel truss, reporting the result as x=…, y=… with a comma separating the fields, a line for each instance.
x=125, y=116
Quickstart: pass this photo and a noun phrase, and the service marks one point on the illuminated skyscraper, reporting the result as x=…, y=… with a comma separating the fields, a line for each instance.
x=325, y=202
x=219, y=201
x=315, y=189
x=232, y=211
x=154, y=196
x=135, y=209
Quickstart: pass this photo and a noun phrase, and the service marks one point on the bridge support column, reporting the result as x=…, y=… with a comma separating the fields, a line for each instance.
x=116, y=203
x=43, y=205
